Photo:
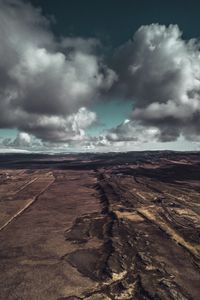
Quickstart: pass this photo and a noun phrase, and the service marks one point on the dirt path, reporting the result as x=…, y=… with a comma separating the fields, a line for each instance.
x=32, y=243
x=27, y=205
x=103, y=234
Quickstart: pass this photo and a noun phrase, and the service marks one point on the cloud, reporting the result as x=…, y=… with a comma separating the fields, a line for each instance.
x=23, y=139
x=45, y=82
x=132, y=131
x=54, y=133
x=48, y=83
x=160, y=72
x=57, y=129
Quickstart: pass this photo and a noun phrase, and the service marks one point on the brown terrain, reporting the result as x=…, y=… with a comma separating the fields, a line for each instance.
x=100, y=226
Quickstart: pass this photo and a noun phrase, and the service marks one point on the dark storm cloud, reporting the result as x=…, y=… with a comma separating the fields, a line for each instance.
x=43, y=82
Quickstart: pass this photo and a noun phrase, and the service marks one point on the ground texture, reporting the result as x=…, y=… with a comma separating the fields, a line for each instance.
x=112, y=226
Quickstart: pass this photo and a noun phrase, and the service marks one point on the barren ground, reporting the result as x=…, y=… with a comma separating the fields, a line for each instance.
x=109, y=226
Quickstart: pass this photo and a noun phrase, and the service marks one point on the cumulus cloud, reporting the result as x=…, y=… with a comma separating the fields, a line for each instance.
x=23, y=139
x=48, y=83
x=44, y=83
x=132, y=131
x=161, y=72
x=62, y=129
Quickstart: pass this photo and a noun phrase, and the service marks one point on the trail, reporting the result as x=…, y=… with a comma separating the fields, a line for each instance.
x=25, y=185
x=31, y=202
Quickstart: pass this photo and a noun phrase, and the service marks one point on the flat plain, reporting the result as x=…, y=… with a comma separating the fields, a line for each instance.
x=100, y=226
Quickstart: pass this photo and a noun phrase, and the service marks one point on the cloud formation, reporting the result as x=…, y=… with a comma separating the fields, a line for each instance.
x=161, y=73
x=57, y=129
x=45, y=83
x=132, y=131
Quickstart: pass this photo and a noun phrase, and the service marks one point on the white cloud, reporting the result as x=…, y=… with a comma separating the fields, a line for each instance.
x=44, y=82
x=66, y=128
x=161, y=72
x=22, y=140
x=132, y=131
x=47, y=84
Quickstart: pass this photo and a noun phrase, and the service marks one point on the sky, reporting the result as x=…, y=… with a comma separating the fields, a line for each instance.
x=101, y=76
